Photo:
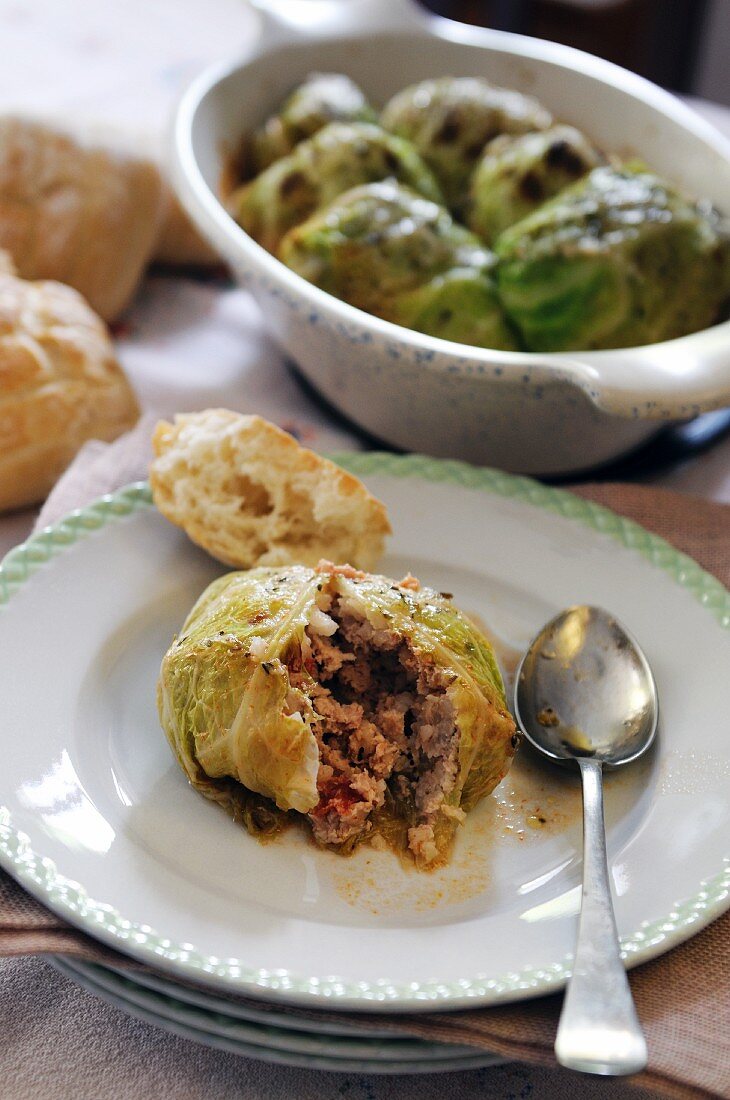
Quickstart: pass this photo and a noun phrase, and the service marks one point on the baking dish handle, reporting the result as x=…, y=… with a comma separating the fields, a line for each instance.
x=675, y=380
x=283, y=21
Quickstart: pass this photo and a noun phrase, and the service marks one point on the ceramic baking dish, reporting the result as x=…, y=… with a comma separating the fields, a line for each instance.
x=527, y=412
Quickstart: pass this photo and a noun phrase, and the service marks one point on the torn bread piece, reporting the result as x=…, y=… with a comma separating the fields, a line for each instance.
x=249, y=494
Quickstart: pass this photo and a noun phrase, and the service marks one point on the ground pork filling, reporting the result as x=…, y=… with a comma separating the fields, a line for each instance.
x=383, y=721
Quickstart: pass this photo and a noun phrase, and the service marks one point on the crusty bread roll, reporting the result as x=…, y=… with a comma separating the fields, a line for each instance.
x=249, y=494
x=178, y=242
x=59, y=385
x=89, y=217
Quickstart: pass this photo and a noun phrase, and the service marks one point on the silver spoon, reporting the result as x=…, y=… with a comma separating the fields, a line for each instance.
x=584, y=692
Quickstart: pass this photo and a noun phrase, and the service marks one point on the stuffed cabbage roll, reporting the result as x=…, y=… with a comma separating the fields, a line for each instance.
x=393, y=253
x=618, y=259
x=364, y=707
x=340, y=156
x=322, y=98
x=449, y=121
x=517, y=174
x=397, y=255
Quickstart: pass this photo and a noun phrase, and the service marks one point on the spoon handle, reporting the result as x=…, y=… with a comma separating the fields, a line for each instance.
x=599, y=1031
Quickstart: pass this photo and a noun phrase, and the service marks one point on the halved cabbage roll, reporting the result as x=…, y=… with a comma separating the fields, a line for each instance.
x=450, y=120
x=393, y=253
x=340, y=156
x=373, y=709
x=320, y=99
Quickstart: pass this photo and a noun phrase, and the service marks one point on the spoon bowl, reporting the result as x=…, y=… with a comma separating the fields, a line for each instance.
x=585, y=689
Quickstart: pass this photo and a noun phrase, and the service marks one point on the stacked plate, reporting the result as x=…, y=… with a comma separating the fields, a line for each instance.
x=245, y=945
x=287, y=1038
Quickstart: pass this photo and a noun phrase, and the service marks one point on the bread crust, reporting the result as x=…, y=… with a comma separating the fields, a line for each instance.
x=60, y=385
x=249, y=494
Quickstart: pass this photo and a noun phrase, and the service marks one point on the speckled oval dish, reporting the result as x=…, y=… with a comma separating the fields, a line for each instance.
x=98, y=822
x=523, y=412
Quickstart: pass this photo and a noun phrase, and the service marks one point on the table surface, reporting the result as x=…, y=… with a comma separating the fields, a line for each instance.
x=187, y=345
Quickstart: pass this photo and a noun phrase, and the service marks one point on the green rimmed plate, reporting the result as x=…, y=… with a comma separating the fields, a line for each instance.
x=98, y=822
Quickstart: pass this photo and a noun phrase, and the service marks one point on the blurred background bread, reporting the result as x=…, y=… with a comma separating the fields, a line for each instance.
x=178, y=242
x=60, y=385
x=85, y=217
x=90, y=209
x=249, y=494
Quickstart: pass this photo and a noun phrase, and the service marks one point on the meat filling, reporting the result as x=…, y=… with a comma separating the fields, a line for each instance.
x=383, y=721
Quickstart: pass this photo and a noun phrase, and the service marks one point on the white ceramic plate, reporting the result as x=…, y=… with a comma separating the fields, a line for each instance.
x=277, y=1033
x=100, y=824
x=272, y=1044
